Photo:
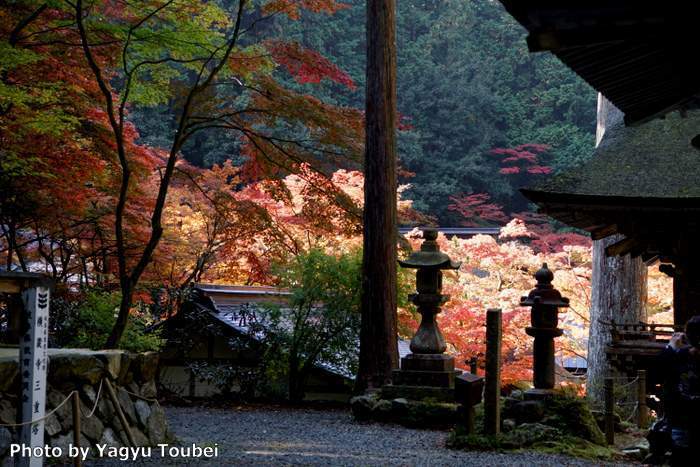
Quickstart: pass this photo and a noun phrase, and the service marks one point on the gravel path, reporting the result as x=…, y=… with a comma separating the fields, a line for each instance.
x=283, y=436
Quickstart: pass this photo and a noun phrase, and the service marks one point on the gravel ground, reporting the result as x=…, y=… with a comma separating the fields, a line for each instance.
x=284, y=436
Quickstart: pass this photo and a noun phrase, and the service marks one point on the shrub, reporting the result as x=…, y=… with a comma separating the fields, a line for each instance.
x=94, y=318
x=321, y=321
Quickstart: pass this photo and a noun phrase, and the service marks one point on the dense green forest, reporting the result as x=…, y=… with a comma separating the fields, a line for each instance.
x=466, y=85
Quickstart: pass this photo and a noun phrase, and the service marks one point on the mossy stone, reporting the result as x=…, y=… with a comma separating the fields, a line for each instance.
x=573, y=416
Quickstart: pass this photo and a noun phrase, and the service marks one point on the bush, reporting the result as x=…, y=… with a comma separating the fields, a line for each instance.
x=321, y=323
x=93, y=319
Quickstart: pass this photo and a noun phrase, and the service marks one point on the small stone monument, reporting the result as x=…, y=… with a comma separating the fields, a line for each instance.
x=545, y=301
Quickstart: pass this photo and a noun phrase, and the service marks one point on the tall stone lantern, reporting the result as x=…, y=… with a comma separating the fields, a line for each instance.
x=428, y=365
x=545, y=301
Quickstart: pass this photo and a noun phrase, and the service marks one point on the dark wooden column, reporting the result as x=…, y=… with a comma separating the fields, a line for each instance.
x=686, y=279
x=378, y=347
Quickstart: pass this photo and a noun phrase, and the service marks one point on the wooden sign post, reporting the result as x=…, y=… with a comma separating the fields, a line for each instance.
x=33, y=363
x=33, y=359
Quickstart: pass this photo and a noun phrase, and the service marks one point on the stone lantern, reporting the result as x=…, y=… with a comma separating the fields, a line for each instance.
x=428, y=365
x=545, y=301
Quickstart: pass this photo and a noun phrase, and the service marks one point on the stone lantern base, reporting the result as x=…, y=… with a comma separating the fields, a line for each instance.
x=426, y=392
x=433, y=370
x=535, y=394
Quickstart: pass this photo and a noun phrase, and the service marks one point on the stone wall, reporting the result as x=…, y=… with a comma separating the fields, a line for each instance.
x=84, y=370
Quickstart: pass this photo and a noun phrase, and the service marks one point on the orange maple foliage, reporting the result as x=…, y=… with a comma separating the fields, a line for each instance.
x=496, y=273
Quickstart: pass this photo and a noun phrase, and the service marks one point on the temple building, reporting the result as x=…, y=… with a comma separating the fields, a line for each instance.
x=642, y=182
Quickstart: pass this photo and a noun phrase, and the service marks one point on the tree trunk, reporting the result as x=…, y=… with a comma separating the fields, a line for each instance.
x=618, y=287
x=122, y=318
x=378, y=347
x=295, y=380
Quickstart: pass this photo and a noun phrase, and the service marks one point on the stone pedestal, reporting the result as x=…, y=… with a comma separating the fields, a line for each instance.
x=434, y=370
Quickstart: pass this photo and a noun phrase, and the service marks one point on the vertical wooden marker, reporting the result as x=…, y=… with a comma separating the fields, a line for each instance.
x=492, y=388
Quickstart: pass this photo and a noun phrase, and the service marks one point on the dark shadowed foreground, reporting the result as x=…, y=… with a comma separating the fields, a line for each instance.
x=283, y=436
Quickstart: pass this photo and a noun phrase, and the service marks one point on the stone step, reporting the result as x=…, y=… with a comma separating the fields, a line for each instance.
x=392, y=391
x=439, y=379
x=428, y=362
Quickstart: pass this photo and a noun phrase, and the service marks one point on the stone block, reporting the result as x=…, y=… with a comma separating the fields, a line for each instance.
x=527, y=411
x=81, y=365
x=143, y=411
x=63, y=442
x=8, y=413
x=429, y=414
x=363, y=405
x=90, y=395
x=125, y=369
x=112, y=360
x=127, y=405
x=149, y=390
x=9, y=369
x=139, y=438
x=54, y=398
x=146, y=367
x=157, y=425
x=508, y=425
x=5, y=440
x=105, y=408
x=109, y=437
x=440, y=379
x=391, y=391
x=91, y=427
x=52, y=426
x=428, y=362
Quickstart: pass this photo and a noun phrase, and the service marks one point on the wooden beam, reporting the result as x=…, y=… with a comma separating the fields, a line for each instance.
x=649, y=258
x=608, y=230
x=623, y=247
x=541, y=41
x=10, y=286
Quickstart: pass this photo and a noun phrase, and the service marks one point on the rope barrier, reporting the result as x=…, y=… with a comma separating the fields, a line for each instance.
x=634, y=411
x=97, y=399
x=629, y=383
x=139, y=396
x=44, y=417
x=55, y=409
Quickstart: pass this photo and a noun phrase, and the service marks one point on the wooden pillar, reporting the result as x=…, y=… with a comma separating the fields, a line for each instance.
x=473, y=365
x=686, y=279
x=618, y=285
x=642, y=411
x=378, y=344
x=609, y=391
x=492, y=388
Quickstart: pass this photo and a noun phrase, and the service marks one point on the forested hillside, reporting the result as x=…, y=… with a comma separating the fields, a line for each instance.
x=466, y=86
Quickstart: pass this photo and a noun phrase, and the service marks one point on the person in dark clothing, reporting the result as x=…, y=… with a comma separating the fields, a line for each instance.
x=682, y=394
x=663, y=373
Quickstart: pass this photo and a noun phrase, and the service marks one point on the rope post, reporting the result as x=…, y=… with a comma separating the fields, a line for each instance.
x=75, y=400
x=120, y=412
x=472, y=365
x=492, y=383
x=609, y=390
x=642, y=410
